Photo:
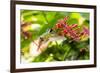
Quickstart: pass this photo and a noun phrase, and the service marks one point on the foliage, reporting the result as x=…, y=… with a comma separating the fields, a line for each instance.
x=35, y=24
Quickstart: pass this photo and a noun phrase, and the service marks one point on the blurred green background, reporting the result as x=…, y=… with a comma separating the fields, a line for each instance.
x=41, y=21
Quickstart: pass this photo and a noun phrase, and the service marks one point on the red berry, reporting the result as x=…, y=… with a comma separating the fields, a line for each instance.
x=65, y=31
x=58, y=25
x=65, y=18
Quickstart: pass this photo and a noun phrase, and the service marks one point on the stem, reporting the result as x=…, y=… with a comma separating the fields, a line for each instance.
x=55, y=15
x=66, y=54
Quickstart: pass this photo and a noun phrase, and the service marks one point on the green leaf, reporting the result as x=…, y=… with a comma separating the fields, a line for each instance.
x=25, y=43
x=71, y=21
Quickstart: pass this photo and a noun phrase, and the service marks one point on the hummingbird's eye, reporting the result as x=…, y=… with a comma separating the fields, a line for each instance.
x=51, y=30
x=41, y=38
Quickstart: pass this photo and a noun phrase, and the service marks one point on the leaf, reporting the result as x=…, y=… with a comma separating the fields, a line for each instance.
x=43, y=29
x=85, y=15
x=25, y=43
x=71, y=21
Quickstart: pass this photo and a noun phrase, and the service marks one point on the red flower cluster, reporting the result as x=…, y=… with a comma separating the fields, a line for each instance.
x=71, y=31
